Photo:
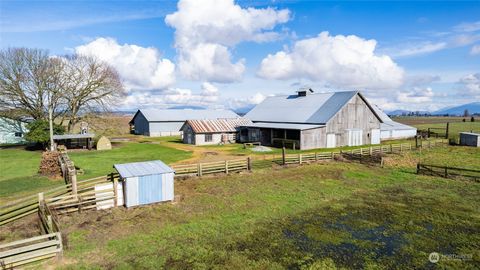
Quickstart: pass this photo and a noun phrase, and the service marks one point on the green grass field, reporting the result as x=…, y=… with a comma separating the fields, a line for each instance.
x=323, y=216
x=18, y=167
x=456, y=125
x=97, y=163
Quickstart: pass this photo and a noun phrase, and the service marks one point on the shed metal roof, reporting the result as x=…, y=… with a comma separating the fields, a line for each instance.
x=73, y=136
x=470, y=133
x=180, y=115
x=313, y=108
x=217, y=125
x=142, y=168
x=284, y=125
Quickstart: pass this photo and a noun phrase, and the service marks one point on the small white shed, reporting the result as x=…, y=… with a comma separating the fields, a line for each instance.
x=146, y=182
x=470, y=139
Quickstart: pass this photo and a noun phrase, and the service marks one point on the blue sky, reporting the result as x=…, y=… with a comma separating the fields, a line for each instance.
x=410, y=55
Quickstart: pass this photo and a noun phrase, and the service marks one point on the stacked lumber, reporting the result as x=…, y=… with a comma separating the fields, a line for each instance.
x=49, y=164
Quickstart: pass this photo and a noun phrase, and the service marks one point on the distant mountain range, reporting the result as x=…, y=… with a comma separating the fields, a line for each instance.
x=473, y=108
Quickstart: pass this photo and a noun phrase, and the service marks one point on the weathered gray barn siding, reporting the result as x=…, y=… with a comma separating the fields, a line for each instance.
x=356, y=114
x=313, y=138
x=141, y=125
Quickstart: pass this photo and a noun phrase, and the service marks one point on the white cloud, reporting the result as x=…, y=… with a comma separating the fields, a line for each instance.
x=343, y=61
x=240, y=103
x=470, y=85
x=468, y=27
x=417, y=49
x=208, y=96
x=140, y=67
x=205, y=32
x=475, y=50
x=416, y=95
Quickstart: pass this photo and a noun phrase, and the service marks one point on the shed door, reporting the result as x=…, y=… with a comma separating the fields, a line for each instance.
x=375, y=136
x=331, y=142
x=354, y=137
x=149, y=189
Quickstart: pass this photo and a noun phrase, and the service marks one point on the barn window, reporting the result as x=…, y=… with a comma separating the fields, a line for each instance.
x=18, y=134
x=208, y=137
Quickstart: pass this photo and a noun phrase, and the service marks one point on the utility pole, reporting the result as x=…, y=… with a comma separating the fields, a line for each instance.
x=50, y=123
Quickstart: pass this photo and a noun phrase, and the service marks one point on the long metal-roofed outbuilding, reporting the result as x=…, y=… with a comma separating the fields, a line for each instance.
x=168, y=122
x=146, y=182
x=392, y=130
x=308, y=120
x=214, y=131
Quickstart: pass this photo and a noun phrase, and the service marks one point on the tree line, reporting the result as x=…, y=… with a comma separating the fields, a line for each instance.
x=32, y=83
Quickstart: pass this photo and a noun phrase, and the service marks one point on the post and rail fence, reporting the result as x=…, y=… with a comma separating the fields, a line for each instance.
x=448, y=172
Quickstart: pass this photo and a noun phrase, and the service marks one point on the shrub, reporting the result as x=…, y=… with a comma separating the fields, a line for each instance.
x=38, y=132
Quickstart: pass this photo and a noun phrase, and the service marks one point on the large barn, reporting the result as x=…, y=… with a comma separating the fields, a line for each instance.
x=391, y=130
x=156, y=123
x=307, y=120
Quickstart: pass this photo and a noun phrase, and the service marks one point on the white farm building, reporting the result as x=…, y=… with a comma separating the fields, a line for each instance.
x=168, y=122
x=391, y=130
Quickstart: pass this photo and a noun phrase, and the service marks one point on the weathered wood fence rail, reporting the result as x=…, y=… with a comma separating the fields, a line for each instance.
x=448, y=172
x=29, y=205
x=200, y=169
x=19, y=253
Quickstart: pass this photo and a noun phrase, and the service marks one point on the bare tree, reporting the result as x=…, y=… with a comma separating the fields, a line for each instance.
x=90, y=85
x=29, y=83
x=34, y=84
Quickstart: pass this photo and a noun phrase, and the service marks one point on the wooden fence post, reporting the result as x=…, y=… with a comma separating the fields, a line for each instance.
x=49, y=224
x=73, y=182
x=115, y=190
x=226, y=166
x=416, y=141
x=391, y=148
x=418, y=167
x=299, y=158
x=249, y=163
x=446, y=172
x=283, y=155
x=60, y=245
x=333, y=155
x=371, y=151
x=40, y=198
x=199, y=169
x=446, y=130
x=316, y=157
x=361, y=151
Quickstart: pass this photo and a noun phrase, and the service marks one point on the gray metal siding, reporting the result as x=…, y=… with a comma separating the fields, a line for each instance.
x=165, y=128
x=469, y=139
x=141, y=124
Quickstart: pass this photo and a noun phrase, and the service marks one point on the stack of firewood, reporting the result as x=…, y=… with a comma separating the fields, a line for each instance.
x=49, y=165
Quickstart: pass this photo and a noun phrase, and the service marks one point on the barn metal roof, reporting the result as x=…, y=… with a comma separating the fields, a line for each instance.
x=217, y=125
x=73, y=136
x=142, y=168
x=180, y=115
x=388, y=123
x=285, y=125
x=470, y=133
x=312, y=108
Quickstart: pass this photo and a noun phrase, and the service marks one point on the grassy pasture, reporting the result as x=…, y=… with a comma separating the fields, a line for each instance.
x=323, y=216
x=456, y=124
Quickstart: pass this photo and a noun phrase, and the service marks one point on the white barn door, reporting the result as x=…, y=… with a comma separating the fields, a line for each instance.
x=375, y=136
x=355, y=137
x=331, y=141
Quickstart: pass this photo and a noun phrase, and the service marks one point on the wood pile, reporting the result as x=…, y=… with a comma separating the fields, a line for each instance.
x=49, y=164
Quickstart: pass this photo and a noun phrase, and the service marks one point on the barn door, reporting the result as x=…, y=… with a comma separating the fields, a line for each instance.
x=375, y=136
x=354, y=137
x=331, y=140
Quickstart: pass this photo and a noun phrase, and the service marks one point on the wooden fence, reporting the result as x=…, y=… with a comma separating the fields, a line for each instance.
x=29, y=205
x=67, y=166
x=200, y=169
x=19, y=253
x=448, y=172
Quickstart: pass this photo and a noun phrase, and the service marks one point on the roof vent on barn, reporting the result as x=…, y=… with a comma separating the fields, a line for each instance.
x=304, y=91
